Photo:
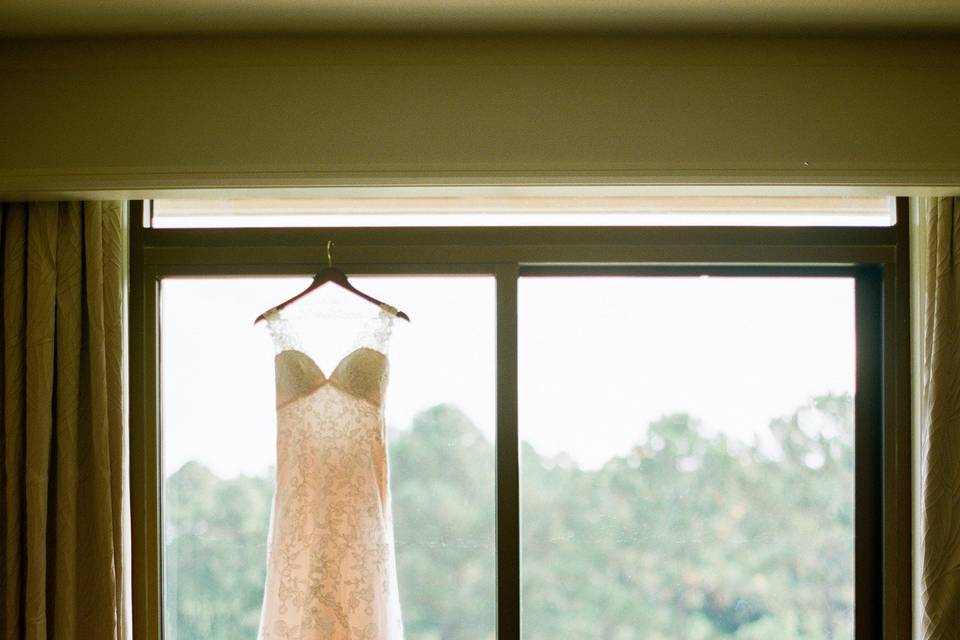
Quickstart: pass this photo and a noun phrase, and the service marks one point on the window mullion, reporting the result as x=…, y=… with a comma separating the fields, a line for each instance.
x=508, y=460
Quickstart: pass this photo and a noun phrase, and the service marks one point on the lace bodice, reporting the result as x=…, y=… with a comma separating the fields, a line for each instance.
x=331, y=568
x=362, y=371
x=370, y=330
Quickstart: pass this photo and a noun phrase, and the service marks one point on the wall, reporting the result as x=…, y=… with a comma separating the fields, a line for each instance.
x=153, y=114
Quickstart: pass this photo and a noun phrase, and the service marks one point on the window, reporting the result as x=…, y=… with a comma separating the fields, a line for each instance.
x=575, y=470
x=219, y=450
x=521, y=206
x=687, y=457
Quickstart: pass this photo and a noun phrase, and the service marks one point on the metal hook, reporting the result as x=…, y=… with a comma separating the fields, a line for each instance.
x=329, y=258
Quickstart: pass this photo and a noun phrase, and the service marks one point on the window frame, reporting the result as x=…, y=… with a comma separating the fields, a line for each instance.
x=876, y=257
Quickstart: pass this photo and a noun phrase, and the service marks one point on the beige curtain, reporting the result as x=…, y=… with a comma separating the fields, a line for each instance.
x=940, y=537
x=61, y=435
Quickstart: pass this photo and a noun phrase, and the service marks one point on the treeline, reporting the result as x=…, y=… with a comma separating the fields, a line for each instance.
x=689, y=537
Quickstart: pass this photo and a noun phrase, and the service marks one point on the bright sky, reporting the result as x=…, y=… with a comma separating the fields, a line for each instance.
x=599, y=357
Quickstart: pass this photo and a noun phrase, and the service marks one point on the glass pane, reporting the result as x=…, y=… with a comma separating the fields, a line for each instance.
x=687, y=458
x=522, y=206
x=219, y=451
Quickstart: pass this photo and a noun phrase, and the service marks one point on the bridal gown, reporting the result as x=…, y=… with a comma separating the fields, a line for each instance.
x=330, y=558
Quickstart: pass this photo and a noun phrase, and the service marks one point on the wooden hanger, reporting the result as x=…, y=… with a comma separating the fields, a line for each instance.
x=334, y=275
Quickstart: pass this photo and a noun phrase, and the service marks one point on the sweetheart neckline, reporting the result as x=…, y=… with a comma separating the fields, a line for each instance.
x=338, y=365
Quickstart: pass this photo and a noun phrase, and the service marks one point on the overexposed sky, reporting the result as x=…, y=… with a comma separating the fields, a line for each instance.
x=600, y=357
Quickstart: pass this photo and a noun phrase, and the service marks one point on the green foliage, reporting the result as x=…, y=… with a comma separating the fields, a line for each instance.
x=689, y=536
x=215, y=553
x=443, y=484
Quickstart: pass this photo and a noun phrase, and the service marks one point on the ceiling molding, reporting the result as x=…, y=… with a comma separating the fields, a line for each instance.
x=72, y=18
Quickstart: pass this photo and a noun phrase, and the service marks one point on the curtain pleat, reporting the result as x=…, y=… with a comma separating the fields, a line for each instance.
x=113, y=259
x=67, y=476
x=940, y=588
x=41, y=303
x=14, y=414
x=62, y=431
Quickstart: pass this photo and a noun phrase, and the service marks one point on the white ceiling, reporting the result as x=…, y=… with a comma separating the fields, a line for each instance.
x=130, y=17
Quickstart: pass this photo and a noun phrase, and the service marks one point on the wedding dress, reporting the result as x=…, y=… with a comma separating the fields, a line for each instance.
x=331, y=571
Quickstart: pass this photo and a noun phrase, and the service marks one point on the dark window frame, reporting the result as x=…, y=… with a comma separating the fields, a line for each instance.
x=877, y=257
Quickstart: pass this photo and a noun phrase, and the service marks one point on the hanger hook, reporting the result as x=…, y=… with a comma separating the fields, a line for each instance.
x=329, y=258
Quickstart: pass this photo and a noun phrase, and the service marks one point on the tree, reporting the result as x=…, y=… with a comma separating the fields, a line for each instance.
x=688, y=537
x=215, y=553
x=443, y=499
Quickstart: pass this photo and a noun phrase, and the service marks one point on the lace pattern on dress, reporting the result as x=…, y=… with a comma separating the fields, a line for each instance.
x=281, y=332
x=331, y=566
x=374, y=333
